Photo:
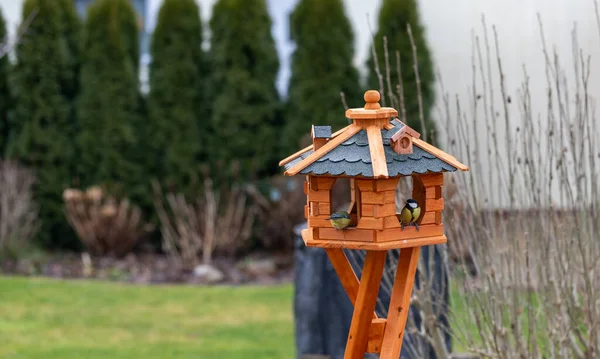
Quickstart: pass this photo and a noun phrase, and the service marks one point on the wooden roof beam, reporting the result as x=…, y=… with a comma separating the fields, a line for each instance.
x=377, y=153
x=290, y=158
x=449, y=159
x=333, y=143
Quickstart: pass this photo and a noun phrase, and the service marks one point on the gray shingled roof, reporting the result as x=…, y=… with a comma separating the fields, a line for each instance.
x=352, y=158
x=322, y=131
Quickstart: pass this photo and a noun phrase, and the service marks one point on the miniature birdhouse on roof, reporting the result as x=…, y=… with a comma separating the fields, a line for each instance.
x=375, y=151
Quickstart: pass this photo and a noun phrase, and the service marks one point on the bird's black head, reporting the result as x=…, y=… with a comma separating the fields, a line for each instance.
x=412, y=203
x=340, y=214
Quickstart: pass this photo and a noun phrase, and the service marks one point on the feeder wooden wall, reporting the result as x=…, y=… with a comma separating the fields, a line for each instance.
x=373, y=209
x=427, y=191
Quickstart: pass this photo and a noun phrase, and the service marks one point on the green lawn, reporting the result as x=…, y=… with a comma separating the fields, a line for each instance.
x=46, y=319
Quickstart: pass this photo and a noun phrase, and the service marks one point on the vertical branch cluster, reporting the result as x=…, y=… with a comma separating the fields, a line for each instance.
x=104, y=225
x=219, y=220
x=18, y=212
x=535, y=286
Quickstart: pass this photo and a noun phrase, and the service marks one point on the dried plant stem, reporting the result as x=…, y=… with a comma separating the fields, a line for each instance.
x=6, y=45
x=523, y=224
x=219, y=220
x=417, y=81
x=106, y=226
x=388, y=76
x=400, y=88
x=18, y=211
x=376, y=62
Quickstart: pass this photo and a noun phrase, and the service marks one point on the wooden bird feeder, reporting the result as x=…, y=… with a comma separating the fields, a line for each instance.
x=374, y=152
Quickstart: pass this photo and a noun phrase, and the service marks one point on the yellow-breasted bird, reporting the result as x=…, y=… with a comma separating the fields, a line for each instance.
x=340, y=220
x=410, y=213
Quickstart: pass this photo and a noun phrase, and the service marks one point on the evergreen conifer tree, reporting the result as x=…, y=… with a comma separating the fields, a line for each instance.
x=5, y=95
x=321, y=69
x=174, y=101
x=245, y=103
x=71, y=28
x=40, y=127
x=394, y=16
x=108, y=105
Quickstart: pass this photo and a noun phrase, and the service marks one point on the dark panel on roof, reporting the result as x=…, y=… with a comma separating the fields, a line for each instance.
x=322, y=131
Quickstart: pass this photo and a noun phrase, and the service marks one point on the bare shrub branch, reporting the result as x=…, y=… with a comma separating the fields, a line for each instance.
x=526, y=275
x=221, y=219
x=18, y=211
x=279, y=211
x=376, y=63
x=105, y=225
x=6, y=45
x=417, y=81
x=537, y=288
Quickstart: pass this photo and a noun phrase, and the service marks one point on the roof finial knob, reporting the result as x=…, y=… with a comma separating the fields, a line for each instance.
x=372, y=100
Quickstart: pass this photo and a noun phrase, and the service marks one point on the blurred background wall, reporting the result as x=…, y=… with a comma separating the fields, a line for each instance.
x=450, y=30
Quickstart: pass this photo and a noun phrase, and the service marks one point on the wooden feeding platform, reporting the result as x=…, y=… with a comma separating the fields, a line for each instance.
x=374, y=152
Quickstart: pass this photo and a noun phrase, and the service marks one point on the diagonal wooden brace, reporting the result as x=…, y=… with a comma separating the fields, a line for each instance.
x=344, y=270
x=364, y=306
x=399, y=303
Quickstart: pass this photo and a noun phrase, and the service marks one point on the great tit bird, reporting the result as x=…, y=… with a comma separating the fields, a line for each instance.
x=340, y=220
x=410, y=213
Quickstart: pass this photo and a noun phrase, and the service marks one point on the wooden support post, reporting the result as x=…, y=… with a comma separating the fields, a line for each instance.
x=399, y=303
x=345, y=273
x=366, y=299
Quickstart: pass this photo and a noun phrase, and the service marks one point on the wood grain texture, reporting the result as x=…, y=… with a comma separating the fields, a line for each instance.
x=389, y=197
x=410, y=232
x=370, y=223
x=428, y=218
x=368, y=210
x=314, y=232
x=365, y=185
x=362, y=114
x=319, y=221
x=366, y=299
x=434, y=192
x=391, y=222
x=372, y=198
x=324, y=209
x=310, y=241
x=379, y=122
x=434, y=205
x=344, y=270
x=318, y=143
x=333, y=143
x=418, y=194
x=432, y=179
x=385, y=210
x=349, y=234
x=389, y=184
x=376, y=335
x=449, y=159
x=399, y=303
x=314, y=208
x=319, y=196
x=321, y=183
x=377, y=153
x=399, y=133
x=292, y=157
x=438, y=191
